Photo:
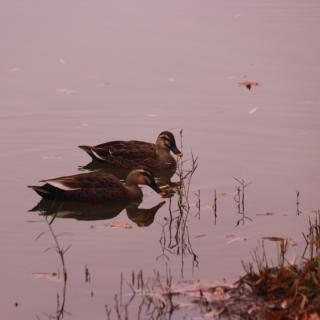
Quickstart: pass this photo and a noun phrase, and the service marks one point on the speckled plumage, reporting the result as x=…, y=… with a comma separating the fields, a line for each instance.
x=97, y=186
x=131, y=154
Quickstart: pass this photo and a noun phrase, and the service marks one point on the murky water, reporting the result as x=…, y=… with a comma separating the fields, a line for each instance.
x=76, y=73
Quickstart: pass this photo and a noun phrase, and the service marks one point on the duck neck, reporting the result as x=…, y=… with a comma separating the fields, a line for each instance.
x=134, y=192
x=165, y=157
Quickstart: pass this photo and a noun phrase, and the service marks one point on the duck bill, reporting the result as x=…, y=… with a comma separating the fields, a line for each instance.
x=155, y=187
x=176, y=151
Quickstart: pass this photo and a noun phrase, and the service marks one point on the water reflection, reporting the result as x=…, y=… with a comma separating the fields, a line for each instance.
x=175, y=238
x=163, y=177
x=100, y=211
x=239, y=199
x=142, y=217
x=61, y=298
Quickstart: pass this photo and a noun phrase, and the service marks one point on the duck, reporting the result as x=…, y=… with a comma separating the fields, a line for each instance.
x=98, y=186
x=131, y=154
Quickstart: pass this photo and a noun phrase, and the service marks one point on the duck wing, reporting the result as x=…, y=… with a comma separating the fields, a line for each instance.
x=135, y=150
x=90, y=180
x=124, y=150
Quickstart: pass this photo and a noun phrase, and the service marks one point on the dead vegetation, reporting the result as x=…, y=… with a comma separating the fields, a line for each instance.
x=284, y=290
x=60, y=298
x=175, y=237
x=288, y=290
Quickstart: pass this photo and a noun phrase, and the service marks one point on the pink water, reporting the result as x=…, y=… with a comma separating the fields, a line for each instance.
x=86, y=72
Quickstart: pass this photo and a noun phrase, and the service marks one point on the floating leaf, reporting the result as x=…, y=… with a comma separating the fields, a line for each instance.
x=65, y=91
x=103, y=84
x=53, y=276
x=52, y=157
x=118, y=225
x=200, y=236
x=152, y=115
x=237, y=239
x=274, y=238
x=305, y=102
x=81, y=125
x=253, y=110
x=225, y=194
x=14, y=69
x=248, y=84
x=265, y=214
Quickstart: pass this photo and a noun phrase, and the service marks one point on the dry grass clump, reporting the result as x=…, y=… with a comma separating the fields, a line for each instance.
x=284, y=291
x=288, y=290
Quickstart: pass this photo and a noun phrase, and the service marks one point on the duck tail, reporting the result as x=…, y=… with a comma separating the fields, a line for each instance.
x=94, y=152
x=88, y=150
x=41, y=191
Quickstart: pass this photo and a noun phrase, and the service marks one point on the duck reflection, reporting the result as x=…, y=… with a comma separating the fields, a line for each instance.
x=143, y=217
x=162, y=177
x=90, y=212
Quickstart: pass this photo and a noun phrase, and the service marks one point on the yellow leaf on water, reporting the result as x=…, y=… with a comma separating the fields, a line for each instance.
x=52, y=157
x=152, y=115
x=50, y=276
x=65, y=91
x=274, y=238
x=253, y=110
x=248, y=84
x=118, y=225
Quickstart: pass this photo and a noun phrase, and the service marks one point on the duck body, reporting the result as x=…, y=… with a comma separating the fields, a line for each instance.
x=131, y=154
x=97, y=186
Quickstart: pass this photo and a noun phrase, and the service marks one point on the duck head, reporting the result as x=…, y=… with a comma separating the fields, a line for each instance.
x=167, y=141
x=143, y=176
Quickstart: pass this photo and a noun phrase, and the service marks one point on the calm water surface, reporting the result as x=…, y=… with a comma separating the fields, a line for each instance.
x=81, y=72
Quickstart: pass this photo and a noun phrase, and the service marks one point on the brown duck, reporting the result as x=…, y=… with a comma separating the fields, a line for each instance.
x=132, y=154
x=97, y=186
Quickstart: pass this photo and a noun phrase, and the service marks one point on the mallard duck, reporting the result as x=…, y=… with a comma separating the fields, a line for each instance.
x=97, y=186
x=131, y=154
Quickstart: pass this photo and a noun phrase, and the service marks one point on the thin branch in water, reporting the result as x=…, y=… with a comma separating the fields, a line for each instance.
x=215, y=206
x=239, y=199
x=87, y=275
x=198, y=203
x=298, y=203
x=60, y=304
x=40, y=235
